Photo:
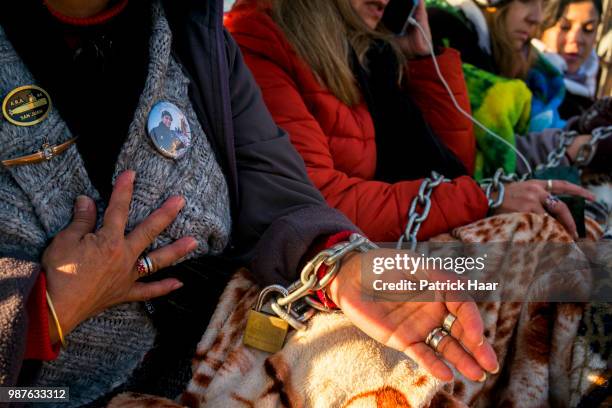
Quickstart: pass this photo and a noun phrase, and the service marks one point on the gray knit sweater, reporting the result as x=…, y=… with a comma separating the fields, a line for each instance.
x=36, y=202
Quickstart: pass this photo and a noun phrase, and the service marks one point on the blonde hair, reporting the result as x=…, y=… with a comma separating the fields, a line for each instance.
x=323, y=32
x=509, y=62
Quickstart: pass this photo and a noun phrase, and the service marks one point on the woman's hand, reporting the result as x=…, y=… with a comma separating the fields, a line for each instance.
x=412, y=43
x=89, y=272
x=404, y=326
x=533, y=196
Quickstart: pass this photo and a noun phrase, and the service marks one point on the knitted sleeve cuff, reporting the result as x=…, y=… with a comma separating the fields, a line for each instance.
x=38, y=343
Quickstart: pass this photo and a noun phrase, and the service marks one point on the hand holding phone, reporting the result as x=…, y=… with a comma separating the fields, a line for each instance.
x=397, y=14
x=398, y=17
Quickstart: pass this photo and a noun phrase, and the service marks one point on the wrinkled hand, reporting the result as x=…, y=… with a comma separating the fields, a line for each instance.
x=412, y=43
x=404, y=326
x=531, y=196
x=88, y=272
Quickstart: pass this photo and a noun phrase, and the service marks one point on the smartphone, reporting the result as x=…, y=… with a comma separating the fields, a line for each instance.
x=397, y=14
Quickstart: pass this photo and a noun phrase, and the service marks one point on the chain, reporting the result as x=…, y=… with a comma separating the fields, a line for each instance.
x=495, y=184
x=423, y=198
x=587, y=151
x=309, y=283
x=415, y=219
x=566, y=138
x=303, y=289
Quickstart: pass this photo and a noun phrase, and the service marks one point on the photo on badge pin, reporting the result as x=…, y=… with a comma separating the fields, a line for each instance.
x=169, y=130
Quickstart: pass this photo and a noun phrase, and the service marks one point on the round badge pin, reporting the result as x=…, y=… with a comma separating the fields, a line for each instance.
x=169, y=130
x=26, y=106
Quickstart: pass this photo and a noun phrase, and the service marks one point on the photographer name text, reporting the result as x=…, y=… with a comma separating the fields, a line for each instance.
x=405, y=285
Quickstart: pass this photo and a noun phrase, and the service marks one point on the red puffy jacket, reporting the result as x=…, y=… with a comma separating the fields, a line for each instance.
x=337, y=142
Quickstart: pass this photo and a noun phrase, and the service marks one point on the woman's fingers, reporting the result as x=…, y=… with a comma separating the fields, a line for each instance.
x=455, y=354
x=481, y=350
x=116, y=215
x=425, y=357
x=468, y=321
x=464, y=349
x=468, y=329
x=145, y=291
x=169, y=254
x=561, y=212
x=542, y=200
x=565, y=187
x=83, y=219
x=145, y=233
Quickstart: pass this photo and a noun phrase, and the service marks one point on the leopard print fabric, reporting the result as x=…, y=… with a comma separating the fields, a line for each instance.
x=333, y=364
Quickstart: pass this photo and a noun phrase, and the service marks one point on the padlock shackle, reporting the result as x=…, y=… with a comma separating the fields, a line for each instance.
x=267, y=291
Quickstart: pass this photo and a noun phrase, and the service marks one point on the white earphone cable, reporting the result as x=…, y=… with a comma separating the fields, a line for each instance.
x=416, y=24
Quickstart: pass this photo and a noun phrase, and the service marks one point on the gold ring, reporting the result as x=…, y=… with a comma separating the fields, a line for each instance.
x=549, y=186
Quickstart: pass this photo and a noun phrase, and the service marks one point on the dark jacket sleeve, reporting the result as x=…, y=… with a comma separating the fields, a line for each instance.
x=536, y=146
x=17, y=278
x=280, y=212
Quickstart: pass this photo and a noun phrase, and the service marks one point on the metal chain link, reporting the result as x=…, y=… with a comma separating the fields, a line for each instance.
x=415, y=218
x=554, y=158
x=495, y=184
x=309, y=283
x=587, y=151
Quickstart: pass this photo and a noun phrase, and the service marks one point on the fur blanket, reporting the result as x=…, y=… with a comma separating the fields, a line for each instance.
x=333, y=364
x=599, y=184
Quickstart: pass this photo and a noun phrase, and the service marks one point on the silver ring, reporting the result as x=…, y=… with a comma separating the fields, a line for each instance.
x=549, y=185
x=449, y=320
x=144, y=266
x=435, y=337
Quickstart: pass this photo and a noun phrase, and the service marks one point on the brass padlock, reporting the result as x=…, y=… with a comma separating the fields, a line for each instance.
x=264, y=331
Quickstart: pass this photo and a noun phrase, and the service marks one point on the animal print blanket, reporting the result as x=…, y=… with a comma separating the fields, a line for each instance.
x=333, y=364
x=600, y=210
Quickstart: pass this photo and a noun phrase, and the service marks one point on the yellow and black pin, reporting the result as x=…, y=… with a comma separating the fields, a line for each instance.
x=26, y=106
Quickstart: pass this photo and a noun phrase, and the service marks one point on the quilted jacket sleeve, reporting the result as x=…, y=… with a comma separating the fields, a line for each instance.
x=378, y=209
x=18, y=276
